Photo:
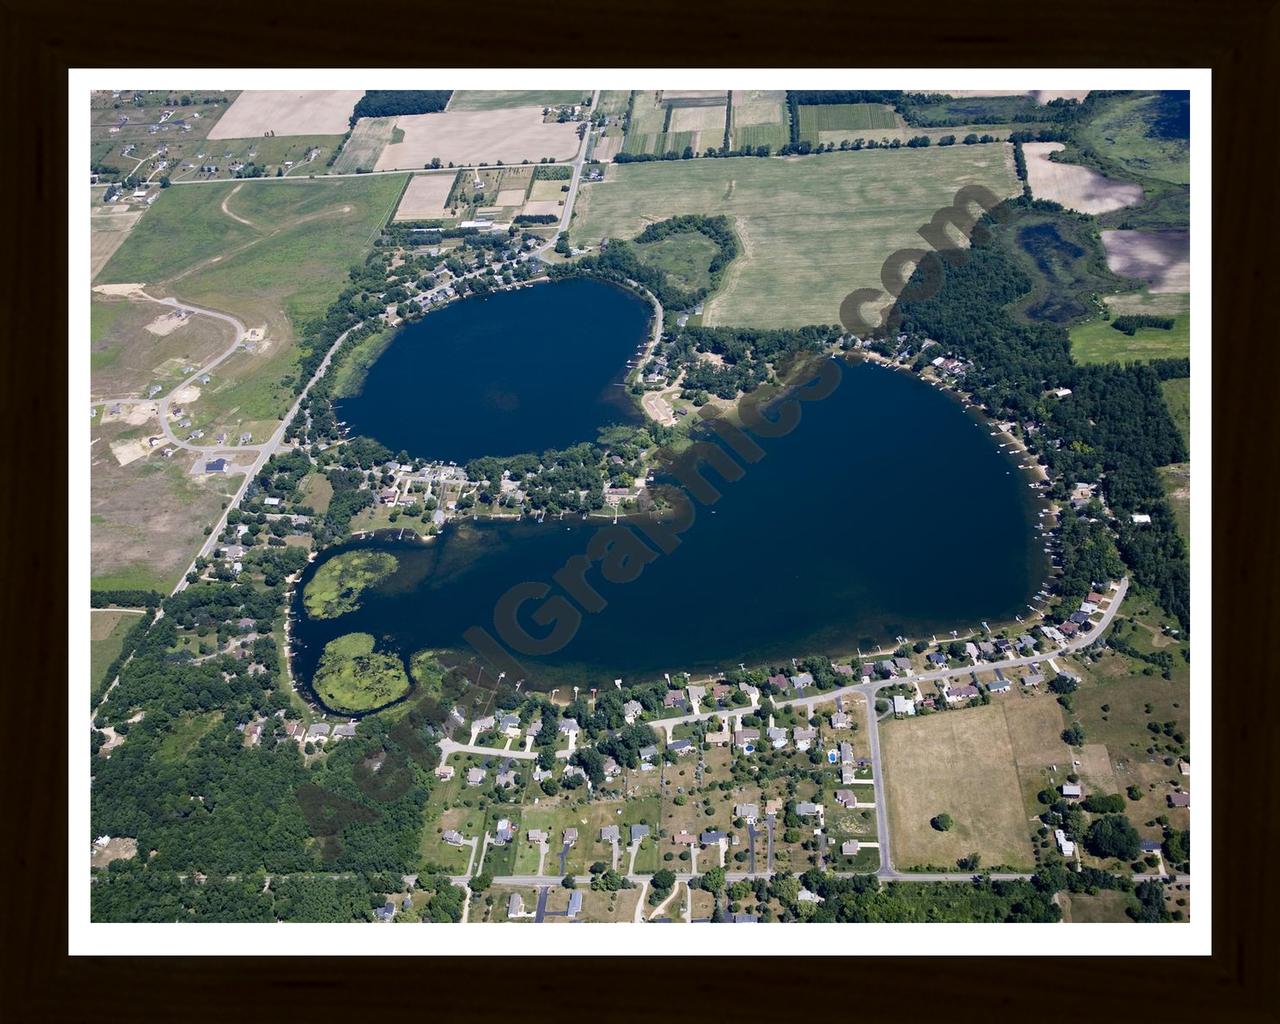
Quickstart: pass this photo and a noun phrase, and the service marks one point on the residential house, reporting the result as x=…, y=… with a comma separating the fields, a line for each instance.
x=779, y=682
x=385, y=912
x=453, y=837
x=673, y=699
x=568, y=727
x=1179, y=799
x=958, y=693
x=515, y=905
x=846, y=752
x=805, y=896
x=807, y=809
x=505, y=779
x=539, y=774
x=680, y=747
x=903, y=705
x=777, y=736
x=1065, y=846
x=445, y=772
x=903, y=665
x=632, y=710
x=683, y=839
x=739, y=918
x=1072, y=790
x=849, y=847
x=475, y=776
x=804, y=737
x=570, y=836
x=711, y=838
x=484, y=724
x=510, y=725
x=721, y=738
x=504, y=833
x=840, y=720
x=937, y=660
x=639, y=832
x=535, y=727
x=536, y=836
x=575, y=904
x=843, y=670
x=611, y=768
x=746, y=738
x=609, y=834
x=344, y=731
x=319, y=732
x=800, y=681
x=648, y=753
x=696, y=694
x=749, y=812
x=846, y=797
x=999, y=686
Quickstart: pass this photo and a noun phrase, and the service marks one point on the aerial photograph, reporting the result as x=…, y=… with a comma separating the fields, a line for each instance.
x=636, y=506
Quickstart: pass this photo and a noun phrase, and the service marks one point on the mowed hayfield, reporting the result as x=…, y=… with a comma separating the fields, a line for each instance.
x=976, y=765
x=481, y=99
x=362, y=149
x=1096, y=341
x=425, y=197
x=273, y=253
x=109, y=226
x=287, y=112
x=812, y=229
x=507, y=135
x=1074, y=186
x=107, y=629
x=1120, y=131
x=844, y=117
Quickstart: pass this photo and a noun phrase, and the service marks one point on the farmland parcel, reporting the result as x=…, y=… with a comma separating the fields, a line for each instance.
x=812, y=228
x=312, y=112
x=510, y=134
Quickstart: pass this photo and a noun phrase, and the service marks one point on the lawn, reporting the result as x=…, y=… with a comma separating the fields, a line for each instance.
x=107, y=631
x=972, y=765
x=812, y=228
x=317, y=492
x=353, y=677
x=185, y=732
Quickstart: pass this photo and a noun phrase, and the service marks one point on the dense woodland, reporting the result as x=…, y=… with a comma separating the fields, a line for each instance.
x=394, y=102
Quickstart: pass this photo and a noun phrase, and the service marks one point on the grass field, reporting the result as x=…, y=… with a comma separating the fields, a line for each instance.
x=1098, y=342
x=844, y=117
x=1177, y=395
x=479, y=99
x=278, y=265
x=367, y=140
x=975, y=765
x=1121, y=131
x=1102, y=908
x=1177, y=488
x=106, y=637
x=686, y=257
x=812, y=229
x=775, y=136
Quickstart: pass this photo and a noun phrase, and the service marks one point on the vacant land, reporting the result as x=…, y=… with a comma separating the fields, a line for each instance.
x=1160, y=258
x=425, y=197
x=126, y=356
x=109, y=226
x=367, y=140
x=309, y=112
x=510, y=134
x=1097, y=341
x=1102, y=908
x=1075, y=187
x=973, y=765
x=1176, y=479
x=273, y=253
x=686, y=257
x=107, y=629
x=812, y=229
x=148, y=517
x=480, y=99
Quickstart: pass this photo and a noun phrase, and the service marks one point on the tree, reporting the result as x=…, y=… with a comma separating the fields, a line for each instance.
x=1063, y=684
x=1074, y=736
x=1112, y=836
x=569, y=882
x=663, y=880
x=481, y=882
x=713, y=881
x=942, y=822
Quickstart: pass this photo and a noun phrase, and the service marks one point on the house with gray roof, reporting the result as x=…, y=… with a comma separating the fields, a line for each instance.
x=568, y=726
x=639, y=832
x=609, y=834
x=632, y=710
x=575, y=904
x=453, y=837
x=475, y=776
x=751, y=812
x=680, y=747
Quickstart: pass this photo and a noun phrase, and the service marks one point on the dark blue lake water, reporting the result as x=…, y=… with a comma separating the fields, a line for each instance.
x=519, y=371
x=888, y=511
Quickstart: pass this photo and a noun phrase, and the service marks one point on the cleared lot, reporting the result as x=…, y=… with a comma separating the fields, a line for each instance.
x=472, y=136
x=1161, y=258
x=309, y=112
x=1075, y=187
x=109, y=226
x=977, y=765
x=425, y=196
x=812, y=228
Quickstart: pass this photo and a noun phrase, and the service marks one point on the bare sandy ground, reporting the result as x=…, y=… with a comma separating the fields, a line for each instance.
x=187, y=395
x=543, y=207
x=168, y=323
x=309, y=112
x=473, y=136
x=126, y=452
x=1161, y=258
x=135, y=414
x=1075, y=187
x=120, y=289
x=658, y=409
x=425, y=196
